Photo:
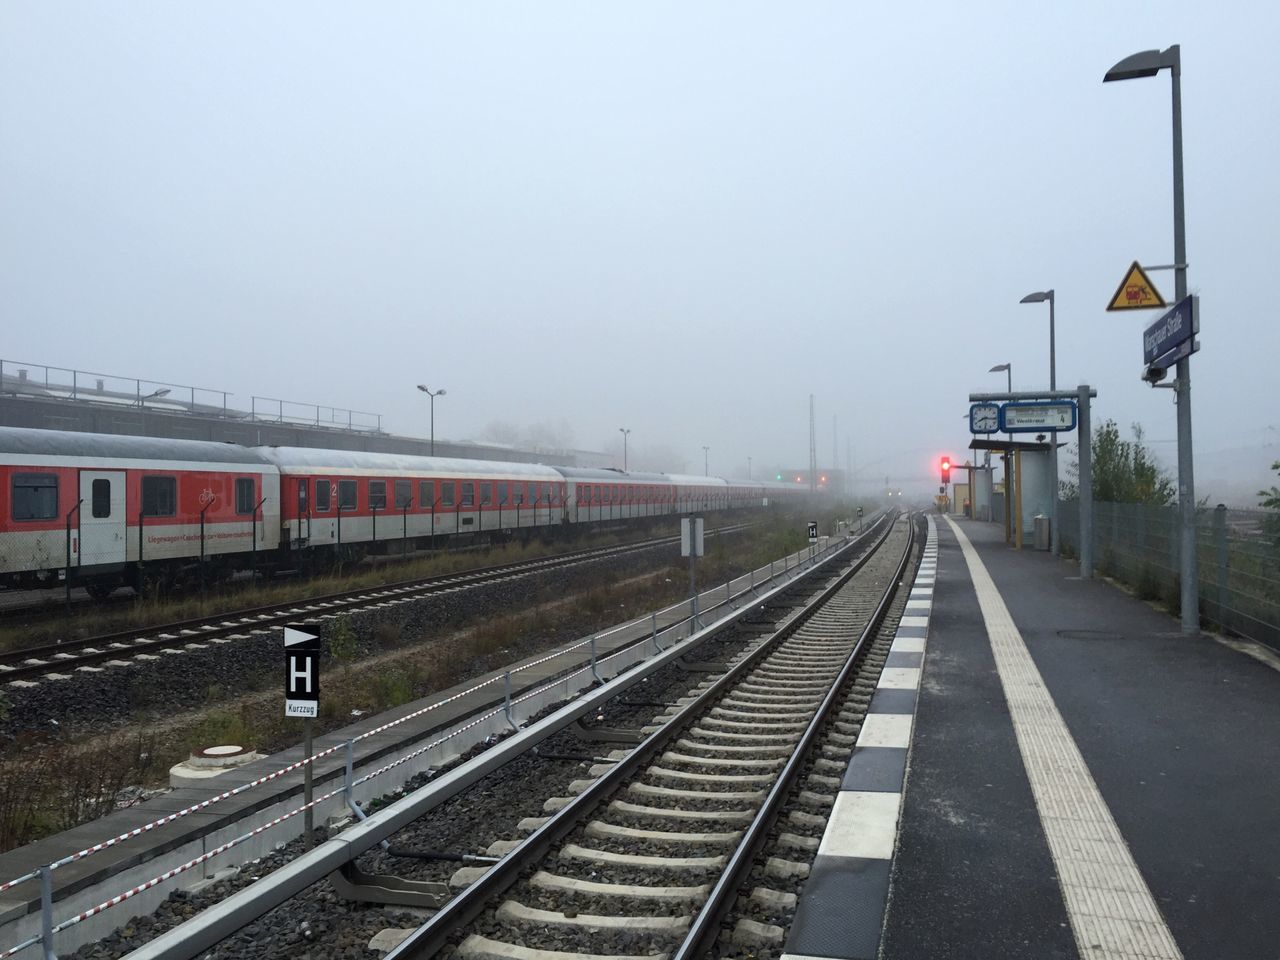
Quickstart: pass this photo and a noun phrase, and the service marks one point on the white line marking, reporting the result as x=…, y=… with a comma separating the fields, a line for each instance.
x=907, y=645
x=914, y=622
x=899, y=678
x=862, y=824
x=1112, y=912
x=886, y=730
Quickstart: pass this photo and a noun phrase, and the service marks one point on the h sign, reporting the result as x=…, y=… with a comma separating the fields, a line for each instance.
x=813, y=531
x=301, y=673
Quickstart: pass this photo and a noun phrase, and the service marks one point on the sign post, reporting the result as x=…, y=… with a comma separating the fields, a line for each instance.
x=691, y=546
x=302, y=699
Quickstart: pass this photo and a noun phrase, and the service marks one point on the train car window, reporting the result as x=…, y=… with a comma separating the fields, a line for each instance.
x=101, y=498
x=502, y=493
x=303, y=485
x=377, y=494
x=246, y=502
x=35, y=496
x=468, y=493
x=346, y=494
x=160, y=496
x=447, y=491
x=322, y=496
x=517, y=493
x=426, y=495
x=404, y=494
x=486, y=493
x=605, y=491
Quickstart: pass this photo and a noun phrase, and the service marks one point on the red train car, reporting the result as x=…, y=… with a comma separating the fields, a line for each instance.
x=119, y=510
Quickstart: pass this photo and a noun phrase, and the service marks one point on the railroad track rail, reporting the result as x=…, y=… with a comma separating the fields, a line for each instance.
x=650, y=856
x=58, y=658
x=781, y=635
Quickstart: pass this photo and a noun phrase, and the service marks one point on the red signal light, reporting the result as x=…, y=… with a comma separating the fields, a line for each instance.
x=946, y=469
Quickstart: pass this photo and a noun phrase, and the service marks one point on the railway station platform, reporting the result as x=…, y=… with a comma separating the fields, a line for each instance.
x=1081, y=780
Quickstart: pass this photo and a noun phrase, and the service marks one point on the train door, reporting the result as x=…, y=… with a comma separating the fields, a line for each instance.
x=321, y=528
x=304, y=510
x=102, y=517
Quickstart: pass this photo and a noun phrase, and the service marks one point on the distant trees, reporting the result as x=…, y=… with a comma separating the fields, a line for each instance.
x=1271, y=498
x=1124, y=471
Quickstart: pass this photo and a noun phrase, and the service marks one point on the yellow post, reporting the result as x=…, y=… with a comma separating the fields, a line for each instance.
x=1008, y=497
x=1017, y=500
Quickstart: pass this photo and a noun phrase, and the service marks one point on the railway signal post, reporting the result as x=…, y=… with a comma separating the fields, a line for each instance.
x=302, y=699
x=691, y=546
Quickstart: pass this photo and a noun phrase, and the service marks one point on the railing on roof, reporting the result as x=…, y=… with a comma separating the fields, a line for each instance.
x=313, y=414
x=42, y=381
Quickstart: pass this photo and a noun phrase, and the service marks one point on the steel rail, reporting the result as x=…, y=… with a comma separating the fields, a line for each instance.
x=428, y=939
x=70, y=653
x=706, y=926
x=210, y=927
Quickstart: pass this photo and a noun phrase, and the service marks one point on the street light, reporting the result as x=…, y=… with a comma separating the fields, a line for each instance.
x=748, y=468
x=1053, y=363
x=624, y=431
x=162, y=392
x=1041, y=297
x=1004, y=368
x=706, y=470
x=1148, y=63
x=439, y=393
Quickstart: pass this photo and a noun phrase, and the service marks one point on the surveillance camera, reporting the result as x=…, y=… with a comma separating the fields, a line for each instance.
x=1154, y=375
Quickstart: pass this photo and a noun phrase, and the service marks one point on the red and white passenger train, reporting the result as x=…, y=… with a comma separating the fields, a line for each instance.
x=109, y=510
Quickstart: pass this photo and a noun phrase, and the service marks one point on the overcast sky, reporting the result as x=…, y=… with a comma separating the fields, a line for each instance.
x=681, y=218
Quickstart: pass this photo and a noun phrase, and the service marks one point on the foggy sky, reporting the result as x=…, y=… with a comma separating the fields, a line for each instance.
x=681, y=218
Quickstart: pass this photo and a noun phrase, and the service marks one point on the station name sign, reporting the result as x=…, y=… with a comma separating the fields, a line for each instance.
x=1161, y=341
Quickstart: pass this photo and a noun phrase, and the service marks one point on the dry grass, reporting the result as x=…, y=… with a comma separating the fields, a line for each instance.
x=53, y=787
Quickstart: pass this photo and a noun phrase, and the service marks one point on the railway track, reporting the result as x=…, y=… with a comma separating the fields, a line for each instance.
x=650, y=856
x=712, y=736
x=58, y=658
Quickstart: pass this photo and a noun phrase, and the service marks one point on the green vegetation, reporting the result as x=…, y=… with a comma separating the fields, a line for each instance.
x=1123, y=470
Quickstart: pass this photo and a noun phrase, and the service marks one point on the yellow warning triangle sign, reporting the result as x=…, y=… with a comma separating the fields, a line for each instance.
x=1136, y=292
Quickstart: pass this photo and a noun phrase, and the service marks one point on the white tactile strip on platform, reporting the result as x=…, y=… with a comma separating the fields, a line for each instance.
x=841, y=912
x=1112, y=912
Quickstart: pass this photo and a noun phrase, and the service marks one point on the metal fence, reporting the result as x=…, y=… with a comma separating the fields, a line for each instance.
x=1238, y=555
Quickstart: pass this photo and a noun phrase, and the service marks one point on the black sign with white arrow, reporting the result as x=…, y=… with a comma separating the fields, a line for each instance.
x=301, y=673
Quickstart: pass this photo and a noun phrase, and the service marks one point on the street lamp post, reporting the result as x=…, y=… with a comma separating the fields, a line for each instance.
x=748, y=468
x=625, y=431
x=1004, y=368
x=153, y=395
x=1148, y=63
x=1055, y=544
x=438, y=393
x=706, y=470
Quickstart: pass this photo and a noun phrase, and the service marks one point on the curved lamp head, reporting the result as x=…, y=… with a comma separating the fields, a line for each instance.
x=1040, y=297
x=998, y=368
x=1145, y=64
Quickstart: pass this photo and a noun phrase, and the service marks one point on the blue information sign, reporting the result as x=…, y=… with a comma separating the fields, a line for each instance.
x=1163, y=342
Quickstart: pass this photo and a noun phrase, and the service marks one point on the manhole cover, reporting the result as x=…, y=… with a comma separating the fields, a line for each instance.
x=1090, y=635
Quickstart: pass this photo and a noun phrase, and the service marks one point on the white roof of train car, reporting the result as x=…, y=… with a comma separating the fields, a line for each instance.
x=110, y=446
x=295, y=460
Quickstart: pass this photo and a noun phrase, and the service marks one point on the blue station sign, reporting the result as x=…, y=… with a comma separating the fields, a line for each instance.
x=1169, y=338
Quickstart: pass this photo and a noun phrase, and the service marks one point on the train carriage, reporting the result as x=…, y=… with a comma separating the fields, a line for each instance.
x=115, y=510
x=596, y=495
x=340, y=498
x=694, y=494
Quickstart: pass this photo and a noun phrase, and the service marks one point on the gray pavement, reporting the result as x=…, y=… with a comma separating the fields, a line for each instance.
x=1181, y=736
